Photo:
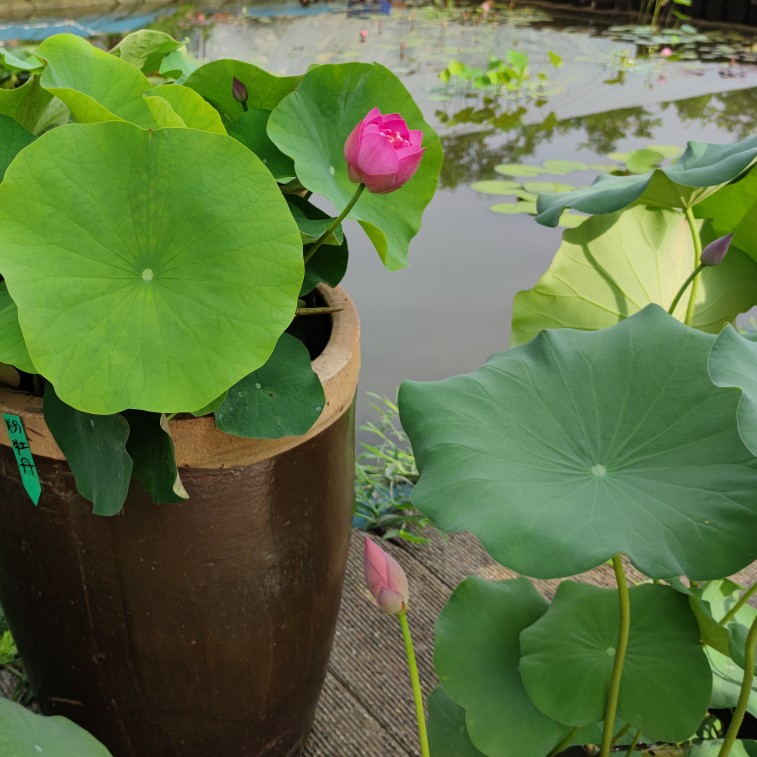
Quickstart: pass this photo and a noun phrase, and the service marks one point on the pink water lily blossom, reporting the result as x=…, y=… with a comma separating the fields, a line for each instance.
x=386, y=580
x=382, y=152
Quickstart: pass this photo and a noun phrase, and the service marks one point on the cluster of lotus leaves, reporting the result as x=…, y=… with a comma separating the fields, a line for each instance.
x=148, y=255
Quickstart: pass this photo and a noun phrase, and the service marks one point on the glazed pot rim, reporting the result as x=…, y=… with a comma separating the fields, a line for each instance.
x=198, y=443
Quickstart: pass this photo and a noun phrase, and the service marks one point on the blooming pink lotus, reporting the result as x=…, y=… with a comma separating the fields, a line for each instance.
x=382, y=152
x=386, y=580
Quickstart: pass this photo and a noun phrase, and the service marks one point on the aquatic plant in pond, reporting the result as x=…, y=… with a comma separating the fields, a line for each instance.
x=628, y=437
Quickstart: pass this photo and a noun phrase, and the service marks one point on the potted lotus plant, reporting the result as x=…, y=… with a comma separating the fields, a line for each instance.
x=172, y=332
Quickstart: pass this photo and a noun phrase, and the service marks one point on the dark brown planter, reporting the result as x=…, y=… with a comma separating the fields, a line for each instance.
x=194, y=630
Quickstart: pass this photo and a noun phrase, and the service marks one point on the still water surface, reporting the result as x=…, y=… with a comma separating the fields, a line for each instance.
x=452, y=307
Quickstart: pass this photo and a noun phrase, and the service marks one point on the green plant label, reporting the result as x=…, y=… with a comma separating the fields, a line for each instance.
x=23, y=454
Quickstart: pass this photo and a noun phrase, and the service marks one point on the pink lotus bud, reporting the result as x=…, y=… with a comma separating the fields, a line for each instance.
x=386, y=580
x=716, y=250
x=666, y=52
x=382, y=152
x=239, y=91
x=363, y=35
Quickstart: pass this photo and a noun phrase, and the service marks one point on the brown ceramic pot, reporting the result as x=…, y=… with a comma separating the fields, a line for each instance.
x=200, y=629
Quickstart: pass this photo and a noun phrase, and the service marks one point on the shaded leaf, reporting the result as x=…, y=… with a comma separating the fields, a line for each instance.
x=120, y=246
x=95, y=448
x=553, y=467
x=151, y=448
x=283, y=398
x=13, y=139
x=250, y=130
x=12, y=345
x=26, y=104
x=447, y=734
x=666, y=681
x=296, y=126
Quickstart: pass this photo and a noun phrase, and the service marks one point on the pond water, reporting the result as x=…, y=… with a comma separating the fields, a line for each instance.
x=452, y=307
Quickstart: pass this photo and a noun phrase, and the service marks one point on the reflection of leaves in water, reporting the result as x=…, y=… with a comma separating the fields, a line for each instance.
x=473, y=156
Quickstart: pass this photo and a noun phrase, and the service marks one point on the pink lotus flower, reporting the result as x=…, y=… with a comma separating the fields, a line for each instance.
x=382, y=152
x=386, y=580
x=666, y=52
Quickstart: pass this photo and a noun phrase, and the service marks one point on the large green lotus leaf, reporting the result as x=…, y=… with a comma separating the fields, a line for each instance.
x=701, y=171
x=145, y=49
x=151, y=270
x=94, y=85
x=579, y=445
x=732, y=210
x=568, y=654
x=193, y=111
x=13, y=139
x=12, y=345
x=26, y=104
x=296, y=126
x=95, y=447
x=733, y=362
x=447, y=734
x=283, y=398
x=150, y=446
x=476, y=656
x=25, y=734
x=612, y=266
x=214, y=82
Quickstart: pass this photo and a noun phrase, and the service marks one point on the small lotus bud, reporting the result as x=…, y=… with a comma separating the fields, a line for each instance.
x=239, y=91
x=386, y=580
x=716, y=250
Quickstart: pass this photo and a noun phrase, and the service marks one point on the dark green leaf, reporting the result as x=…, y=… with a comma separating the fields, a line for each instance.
x=95, y=447
x=476, y=656
x=568, y=657
x=250, y=130
x=741, y=748
x=283, y=398
x=447, y=734
x=13, y=139
x=26, y=104
x=580, y=445
x=151, y=447
x=12, y=345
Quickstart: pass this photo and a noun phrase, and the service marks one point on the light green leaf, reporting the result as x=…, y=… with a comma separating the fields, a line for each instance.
x=193, y=111
x=447, y=734
x=24, y=734
x=94, y=85
x=146, y=49
x=12, y=345
x=296, y=126
x=476, y=656
x=26, y=104
x=554, y=59
x=733, y=362
x=13, y=62
x=644, y=160
x=613, y=265
x=581, y=445
x=283, y=398
x=95, y=448
x=571, y=220
x=214, y=82
x=178, y=65
x=666, y=681
x=150, y=446
x=701, y=171
x=120, y=257
x=250, y=130
x=519, y=170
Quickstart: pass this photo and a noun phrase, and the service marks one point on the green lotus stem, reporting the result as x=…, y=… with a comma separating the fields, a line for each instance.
x=171, y=416
x=414, y=680
x=616, y=738
x=683, y=288
x=696, y=239
x=634, y=742
x=620, y=654
x=335, y=223
x=746, y=690
x=745, y=597
x=564, y=743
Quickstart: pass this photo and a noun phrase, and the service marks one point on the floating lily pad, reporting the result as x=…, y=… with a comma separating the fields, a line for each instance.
x=296, y=127
x=641, y=161
x=666, y=681
x=537, y=187
x=495, y=187
x=137, y=242
x=562, y=167
x=519, y=170
x=701, y=171
x=25, y=734
x=613, y=265
x=552, y=468
x=514, y=208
